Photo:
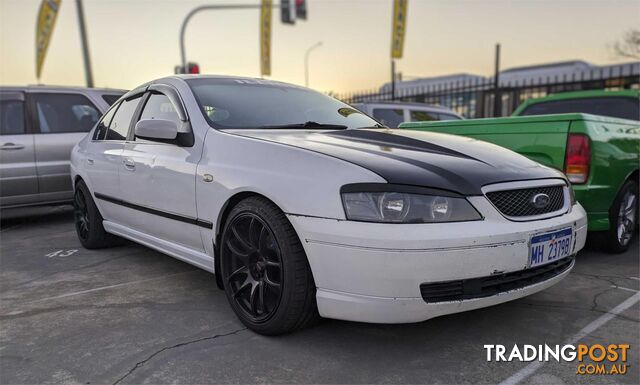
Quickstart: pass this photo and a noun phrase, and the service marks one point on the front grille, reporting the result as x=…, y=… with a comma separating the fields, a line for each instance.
x=487, y=286
x=518, y=203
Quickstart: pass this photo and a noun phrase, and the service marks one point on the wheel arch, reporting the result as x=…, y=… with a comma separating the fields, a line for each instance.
x=222, y=218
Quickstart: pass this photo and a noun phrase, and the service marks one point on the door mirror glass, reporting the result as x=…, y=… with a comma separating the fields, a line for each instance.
x=156, y=129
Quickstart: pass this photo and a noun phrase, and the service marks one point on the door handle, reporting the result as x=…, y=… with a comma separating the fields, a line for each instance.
x=11, y=146
x=129, y=164
x=90, y=161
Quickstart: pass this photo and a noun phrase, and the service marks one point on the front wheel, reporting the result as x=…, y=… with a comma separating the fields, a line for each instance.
x=265, y=272
x=623, y=218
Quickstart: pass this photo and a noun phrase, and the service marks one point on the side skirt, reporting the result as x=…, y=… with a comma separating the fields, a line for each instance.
x=180, y=252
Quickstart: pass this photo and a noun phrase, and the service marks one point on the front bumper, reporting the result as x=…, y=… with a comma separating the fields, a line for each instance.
x=372, y=272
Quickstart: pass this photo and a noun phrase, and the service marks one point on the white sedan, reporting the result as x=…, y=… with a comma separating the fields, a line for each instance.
x=305, y=207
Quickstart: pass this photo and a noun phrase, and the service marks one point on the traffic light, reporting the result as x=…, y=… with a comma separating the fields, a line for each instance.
x=287, y=15
x=192, y=68
x=301, y=9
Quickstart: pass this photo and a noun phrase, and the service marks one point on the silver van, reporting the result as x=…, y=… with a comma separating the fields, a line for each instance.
x=39, y=125
x=391, y=114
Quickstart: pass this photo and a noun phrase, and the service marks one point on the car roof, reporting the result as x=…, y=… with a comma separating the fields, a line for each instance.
x=35, y=87
x=424, y=106
x=578, y=95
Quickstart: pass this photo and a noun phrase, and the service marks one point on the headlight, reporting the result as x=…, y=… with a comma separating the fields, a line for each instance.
x=396, y=207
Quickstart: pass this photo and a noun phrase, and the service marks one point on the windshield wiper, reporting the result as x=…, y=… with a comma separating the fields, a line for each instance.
x=312, y=125
x=377, y=125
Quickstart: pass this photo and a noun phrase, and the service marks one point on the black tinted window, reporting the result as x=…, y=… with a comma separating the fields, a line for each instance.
x=110, y=99
x=11, y=117
x=389, y=117
x=103, y=125
x=65, y=113
x=422, y=116
x=119, y=126
x=618, y=107
x=255, y=103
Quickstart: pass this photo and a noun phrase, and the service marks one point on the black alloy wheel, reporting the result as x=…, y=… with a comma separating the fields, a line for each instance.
x=264, y=269
x=81, y=215
x=254, y=271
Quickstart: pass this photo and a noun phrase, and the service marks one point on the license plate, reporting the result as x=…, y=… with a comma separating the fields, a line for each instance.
x=550, y=247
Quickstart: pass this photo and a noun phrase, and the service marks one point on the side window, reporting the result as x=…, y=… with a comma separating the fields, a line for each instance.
x=103, y=125
x=448, y=117
x=389, y=117
x=422, y=116
x=158, y=106
x=65, y=113
x=11, y=117
x=119, y=125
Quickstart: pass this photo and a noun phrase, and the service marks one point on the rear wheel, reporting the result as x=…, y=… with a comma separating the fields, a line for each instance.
x=88, y=221
x=623, y=218
x=265, y=271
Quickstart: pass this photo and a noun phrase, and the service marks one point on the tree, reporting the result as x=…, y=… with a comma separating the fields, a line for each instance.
x=629, y=45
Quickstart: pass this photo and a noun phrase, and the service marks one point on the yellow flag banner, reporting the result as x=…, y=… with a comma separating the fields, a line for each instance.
x=44, y=29
x=265, y=37
x=399, y=27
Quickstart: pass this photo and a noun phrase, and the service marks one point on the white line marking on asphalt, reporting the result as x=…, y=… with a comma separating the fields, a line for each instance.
x=636, y=278
x=624, y=288
x=105, y=288
x=590, y=328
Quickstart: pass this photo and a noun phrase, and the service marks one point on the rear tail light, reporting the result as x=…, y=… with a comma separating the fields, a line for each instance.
x=578, y=158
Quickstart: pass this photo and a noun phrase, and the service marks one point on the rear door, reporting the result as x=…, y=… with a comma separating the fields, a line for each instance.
x=18, y=177
x=62, y=120
x=104, y=158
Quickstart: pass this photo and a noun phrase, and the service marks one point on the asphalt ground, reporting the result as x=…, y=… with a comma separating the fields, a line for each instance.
x=131, y=315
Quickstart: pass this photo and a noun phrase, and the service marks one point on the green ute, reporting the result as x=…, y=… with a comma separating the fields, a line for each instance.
x=599, y=154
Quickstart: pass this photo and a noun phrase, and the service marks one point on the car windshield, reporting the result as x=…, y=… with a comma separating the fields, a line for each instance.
x=255, y=103
x=617, y=107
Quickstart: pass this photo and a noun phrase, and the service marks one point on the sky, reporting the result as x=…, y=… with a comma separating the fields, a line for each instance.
x=135, y=41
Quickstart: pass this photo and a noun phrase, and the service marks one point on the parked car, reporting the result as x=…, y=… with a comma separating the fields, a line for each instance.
x=624, y=104
x=38, y=128
x=391, y=114
x=302, y=209
x=600, y=156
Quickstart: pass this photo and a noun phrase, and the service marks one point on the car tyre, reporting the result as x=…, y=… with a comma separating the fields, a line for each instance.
x=265, y=271
x=623, y=218
x=88, y=221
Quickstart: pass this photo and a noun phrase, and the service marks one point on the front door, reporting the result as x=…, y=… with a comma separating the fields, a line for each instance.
x=157, y=179
x=18, y=177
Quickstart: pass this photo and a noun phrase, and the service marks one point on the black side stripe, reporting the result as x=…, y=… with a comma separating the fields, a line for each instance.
x=149, y=210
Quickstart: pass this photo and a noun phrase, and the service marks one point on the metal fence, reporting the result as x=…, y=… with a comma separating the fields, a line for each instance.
x=475, y=98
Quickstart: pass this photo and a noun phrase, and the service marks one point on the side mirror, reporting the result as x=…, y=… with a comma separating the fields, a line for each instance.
x=156, y=129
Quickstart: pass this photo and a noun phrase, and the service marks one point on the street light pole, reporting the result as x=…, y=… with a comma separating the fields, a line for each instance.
x=183, y=55
x=85, y=44
x=306, y=62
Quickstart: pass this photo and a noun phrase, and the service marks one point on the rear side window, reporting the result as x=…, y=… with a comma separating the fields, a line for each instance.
x=110, y=98
x=59, y=113
x=12, y=117
x=422, y=116
x=617, y=107
x=103, y=125
x=389, y=117
x=119, y=125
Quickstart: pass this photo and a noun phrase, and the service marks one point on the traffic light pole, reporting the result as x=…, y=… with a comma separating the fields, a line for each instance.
x=183, y=55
